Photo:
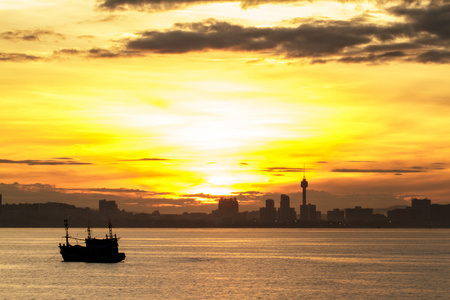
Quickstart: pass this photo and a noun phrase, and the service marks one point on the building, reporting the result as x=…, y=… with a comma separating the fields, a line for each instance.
x=107, y=206
x=267, y=215
x=228, y=206
x=286, y=214
x=227, y=212
x=336, y=215
x=358, y=214
x=421, y=213
x=422, y=208
x=308, y=213
x=440, y=214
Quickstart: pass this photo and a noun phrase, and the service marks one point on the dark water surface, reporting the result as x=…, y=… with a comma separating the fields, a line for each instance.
x=233, y=264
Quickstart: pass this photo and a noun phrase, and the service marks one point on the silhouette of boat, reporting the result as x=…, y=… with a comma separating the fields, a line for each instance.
x=96, y=250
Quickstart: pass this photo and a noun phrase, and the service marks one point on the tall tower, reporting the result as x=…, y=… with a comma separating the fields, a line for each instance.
x=304, y=185
x=308, y=212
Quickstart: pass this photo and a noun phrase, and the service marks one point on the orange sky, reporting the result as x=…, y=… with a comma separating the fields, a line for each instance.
x=167, y=106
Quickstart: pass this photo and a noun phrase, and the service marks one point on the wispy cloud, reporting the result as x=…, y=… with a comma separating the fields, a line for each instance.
x=159, y=5
x=32, y=162
x=204, y=196
x=283, y=170
x=29, y=35
x=18, y=57
x=96, y=53
x=148, y=159
x=378, y=170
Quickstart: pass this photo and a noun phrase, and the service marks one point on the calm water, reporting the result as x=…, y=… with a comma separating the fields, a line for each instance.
x=233, y=264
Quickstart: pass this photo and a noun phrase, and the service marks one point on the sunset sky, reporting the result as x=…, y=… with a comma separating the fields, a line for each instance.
x=169, y=104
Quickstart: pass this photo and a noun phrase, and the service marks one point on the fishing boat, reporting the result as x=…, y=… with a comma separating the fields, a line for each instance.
x=96, y=250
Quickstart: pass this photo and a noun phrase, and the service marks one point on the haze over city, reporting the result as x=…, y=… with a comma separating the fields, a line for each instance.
x=170, y=105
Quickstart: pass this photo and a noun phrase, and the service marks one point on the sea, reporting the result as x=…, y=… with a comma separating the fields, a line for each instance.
x=294, y=263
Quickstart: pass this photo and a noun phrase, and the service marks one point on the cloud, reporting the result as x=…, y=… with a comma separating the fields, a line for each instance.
x=284, y=170
x=205, y=196
x=108, y=190
x=32, y=162
x=161, y=5
x=29, y=35
x=378, y=170
x=148, y=159
x=248, y=193
x=433, y=18
x=18, y=57
x=97, y=53
x=420, y=34
x=438, y=166
x=293, y=42
x=352, y=41
x=435, y=56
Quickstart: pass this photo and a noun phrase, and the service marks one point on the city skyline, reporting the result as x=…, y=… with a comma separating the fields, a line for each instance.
x=171, y=105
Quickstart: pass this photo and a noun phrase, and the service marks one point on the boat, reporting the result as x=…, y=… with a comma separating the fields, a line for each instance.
x=96, y=250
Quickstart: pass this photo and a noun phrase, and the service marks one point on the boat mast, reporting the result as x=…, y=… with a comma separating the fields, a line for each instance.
x=66, y=225
x=110, y=230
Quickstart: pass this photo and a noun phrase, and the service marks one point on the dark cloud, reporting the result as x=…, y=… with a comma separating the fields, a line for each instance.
x=160, y=5
x=67, y=52
x=306, y=40
x=205, y=196
x=319, y=40
x=435, y=56
x=148, y=159
x=438, y=166
x=18, y=57
x=434, y=19
x=378, y=170
x=29, y=35
x=105, y=53
x=32, y=162
x=248, y=193
x=97, y=53
x=421, y=36
x=392, y=47
x=424, y=34
x=283, y=170
x=107, y=190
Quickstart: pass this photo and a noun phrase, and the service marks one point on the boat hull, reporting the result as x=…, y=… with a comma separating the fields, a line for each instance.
x=82, y=254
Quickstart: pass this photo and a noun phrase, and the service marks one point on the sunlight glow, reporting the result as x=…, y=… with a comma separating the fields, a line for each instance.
x=349, y=87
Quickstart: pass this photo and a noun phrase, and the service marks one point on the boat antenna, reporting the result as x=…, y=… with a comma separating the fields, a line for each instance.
x=89, y=226
x=110, y=230
x=66, y=225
